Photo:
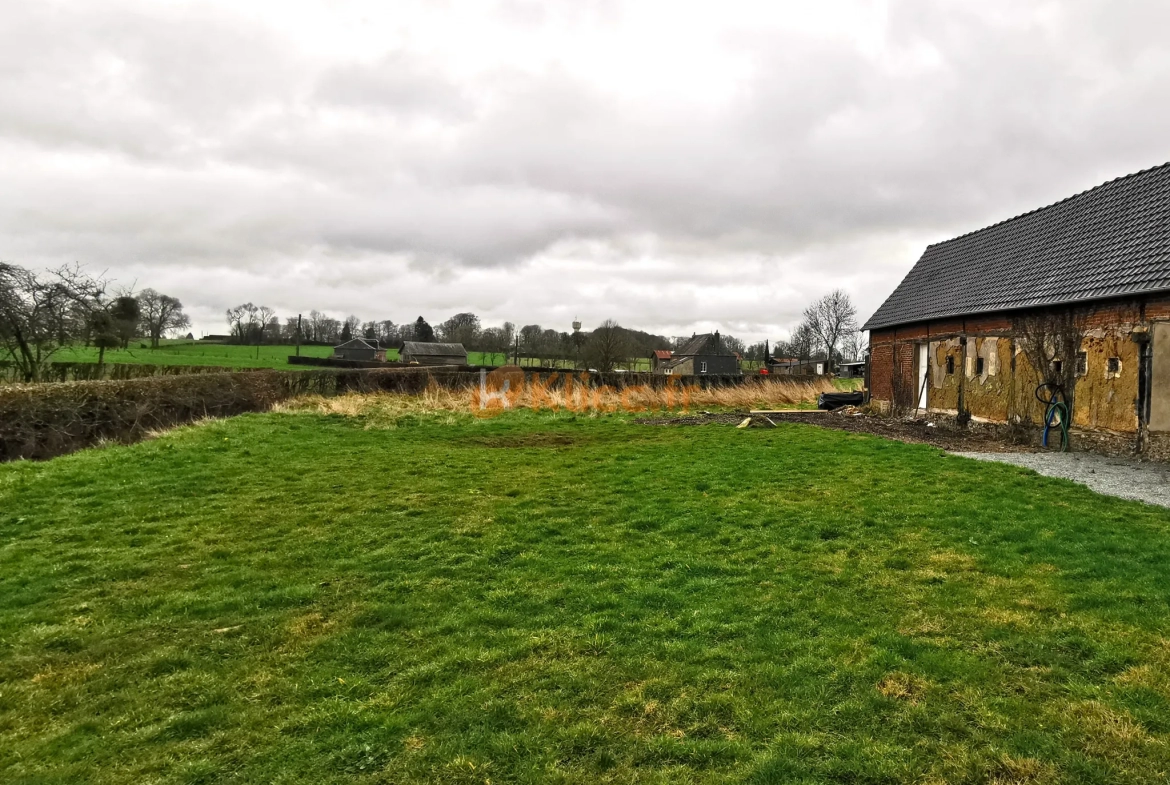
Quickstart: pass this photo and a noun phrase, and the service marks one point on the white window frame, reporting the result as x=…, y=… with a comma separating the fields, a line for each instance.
x=702, y=367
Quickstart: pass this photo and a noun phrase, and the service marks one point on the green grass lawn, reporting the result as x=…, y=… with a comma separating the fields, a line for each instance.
x=183, y=352
x=180, y=352
x=300, y=598
x=188, y=353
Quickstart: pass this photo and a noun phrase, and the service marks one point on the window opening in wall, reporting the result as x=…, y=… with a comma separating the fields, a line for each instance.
x=1082, y=364
x=979, y=366
x=702, y=367
x=950, y=365
x=1057, y=368
x=1113, y=365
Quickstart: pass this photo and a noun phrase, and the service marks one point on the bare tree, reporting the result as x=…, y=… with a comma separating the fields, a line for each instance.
x=160, y=314
x=733, y=344
x=461, y=328
x=351, y=328
x=242, y=321
x=1051, y=341
x=530, y=339
x=125, y=311
x=830, y=319
x=288, y=332
x=606, y=346
x=104, y=334
x=549, y=341
x=40, y=313
x=316, y=325
x=507, y=335
x=264, y=318
x=852, y=346
x=388, y=333
x=492, y=341
x=799, y=346
x=330, y=330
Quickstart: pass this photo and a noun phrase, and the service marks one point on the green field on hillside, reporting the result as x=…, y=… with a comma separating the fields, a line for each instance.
x=188, y=353
x=536, y=598
x=183, y=352
x=228, y=355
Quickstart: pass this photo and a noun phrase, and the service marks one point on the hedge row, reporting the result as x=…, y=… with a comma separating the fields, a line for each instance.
x=88, y=371
x=46, y=420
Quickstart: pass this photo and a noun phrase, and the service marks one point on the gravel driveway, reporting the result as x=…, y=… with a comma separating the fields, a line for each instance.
x=1127, y=479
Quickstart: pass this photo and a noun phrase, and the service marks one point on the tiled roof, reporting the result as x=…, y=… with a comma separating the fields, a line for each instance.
x=357, y=343
x=662, y=354
x=1110, y=241
x=418, y=348
x=705, y=343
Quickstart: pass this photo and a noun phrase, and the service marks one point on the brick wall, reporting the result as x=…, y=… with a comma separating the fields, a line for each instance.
x=1102, y=402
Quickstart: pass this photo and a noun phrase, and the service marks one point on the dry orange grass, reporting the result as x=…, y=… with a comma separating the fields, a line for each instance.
x=753, y=394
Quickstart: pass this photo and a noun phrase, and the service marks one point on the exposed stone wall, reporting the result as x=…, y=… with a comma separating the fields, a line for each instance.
x=978, y=365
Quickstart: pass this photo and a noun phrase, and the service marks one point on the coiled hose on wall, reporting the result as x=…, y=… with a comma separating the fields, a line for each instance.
x=1056, y=414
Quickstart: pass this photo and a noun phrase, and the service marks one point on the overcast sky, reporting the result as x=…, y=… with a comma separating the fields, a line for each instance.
x=675, y=166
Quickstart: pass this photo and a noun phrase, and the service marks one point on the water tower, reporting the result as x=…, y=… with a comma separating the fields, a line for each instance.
x=577, y=342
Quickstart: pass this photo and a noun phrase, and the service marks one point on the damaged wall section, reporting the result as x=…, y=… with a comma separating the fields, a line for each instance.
x=978, y=365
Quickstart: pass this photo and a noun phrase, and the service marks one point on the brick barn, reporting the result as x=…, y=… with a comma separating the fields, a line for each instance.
x=1074, y=296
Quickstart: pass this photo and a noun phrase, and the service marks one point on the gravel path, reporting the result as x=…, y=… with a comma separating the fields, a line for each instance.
x=1127, y=479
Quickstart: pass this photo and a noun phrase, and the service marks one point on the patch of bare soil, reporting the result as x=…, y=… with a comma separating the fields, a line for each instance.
x=702, y=418
x=526, y=440
x=946, y=435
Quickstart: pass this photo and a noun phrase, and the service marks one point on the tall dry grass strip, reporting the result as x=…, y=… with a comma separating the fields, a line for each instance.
x=751, y=394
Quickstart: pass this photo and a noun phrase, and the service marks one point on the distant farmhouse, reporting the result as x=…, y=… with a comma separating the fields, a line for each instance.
x=359, y=349
x=790, y=366
x=851, y=370
x=702, y=355
x=1074, y=296
x=659, y=358
x=433, y=353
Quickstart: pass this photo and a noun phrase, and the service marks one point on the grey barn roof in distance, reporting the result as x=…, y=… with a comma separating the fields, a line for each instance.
x=703, y=344
x=434, y=349
x=1109, y=241
x=357, y=343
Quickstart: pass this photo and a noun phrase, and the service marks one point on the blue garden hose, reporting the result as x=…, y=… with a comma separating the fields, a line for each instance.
x=1056, y=414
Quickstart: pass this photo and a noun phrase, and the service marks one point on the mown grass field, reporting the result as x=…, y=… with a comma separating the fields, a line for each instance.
x=182, y=352
x=301, y=598
x=188, y=353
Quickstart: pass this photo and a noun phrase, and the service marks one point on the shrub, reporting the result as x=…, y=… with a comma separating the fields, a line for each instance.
x=45, y=420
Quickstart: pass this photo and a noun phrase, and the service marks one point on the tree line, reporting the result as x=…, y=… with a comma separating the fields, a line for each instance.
x=827, y=332
x=42, y=312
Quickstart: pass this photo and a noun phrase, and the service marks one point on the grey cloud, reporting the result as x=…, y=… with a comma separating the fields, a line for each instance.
x=398, y=85
x=195, y=139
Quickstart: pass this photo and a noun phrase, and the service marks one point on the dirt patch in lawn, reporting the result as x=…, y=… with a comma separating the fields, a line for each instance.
x=527, y=440
x=975, y=437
